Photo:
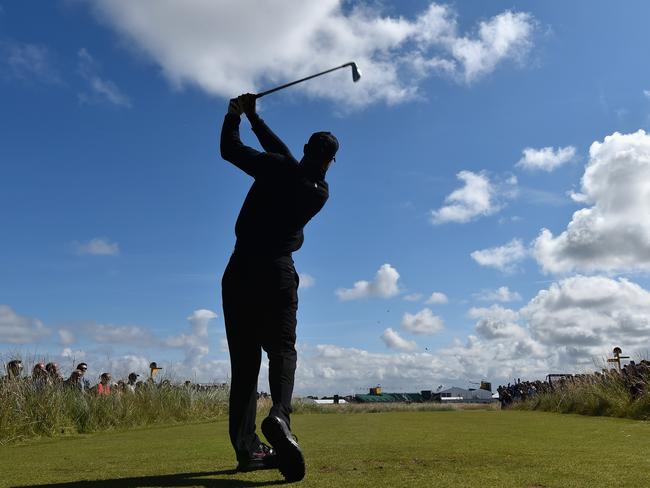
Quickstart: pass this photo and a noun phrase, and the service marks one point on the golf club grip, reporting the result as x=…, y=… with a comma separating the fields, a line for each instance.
x=267, y=92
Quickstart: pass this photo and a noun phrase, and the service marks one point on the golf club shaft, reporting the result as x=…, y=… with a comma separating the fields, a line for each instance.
x=260, y=95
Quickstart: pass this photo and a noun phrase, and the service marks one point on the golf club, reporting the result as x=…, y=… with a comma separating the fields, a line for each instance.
x=356, y=75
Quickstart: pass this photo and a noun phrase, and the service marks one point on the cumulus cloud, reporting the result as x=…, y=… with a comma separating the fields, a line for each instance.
x=102, y=90
x=503, y=258
x=99, y=246
x=591, y=313
x=424, y=322
x=565, y=327
x=437, y=298
x=497, y=322
x=27, y=62
x=206, y=44
x=612, y=235
x=568, y=327
x=478, y=197
x=195, y=343
x=501, y=294
x=18, y=329
x=328, y=368
x=546, y=159
x=394, y=341
x=306, y=281
x=384, y=286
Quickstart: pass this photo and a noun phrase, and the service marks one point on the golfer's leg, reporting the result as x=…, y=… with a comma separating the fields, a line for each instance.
x=245, y=366
x=280, y=345
x=245, y=357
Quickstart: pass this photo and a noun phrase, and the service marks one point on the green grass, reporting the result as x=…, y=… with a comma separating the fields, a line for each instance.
x=608, y=396
x=27, y=412
x=486, y=448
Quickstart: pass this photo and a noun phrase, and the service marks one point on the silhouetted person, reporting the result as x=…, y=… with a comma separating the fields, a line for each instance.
x=260, y=283
x=53, y=373
x=75, y=381
x=14, y=370
x=133, y=379
x=40, y=378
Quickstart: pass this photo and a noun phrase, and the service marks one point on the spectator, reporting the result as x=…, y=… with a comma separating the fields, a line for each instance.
x=83, y=367
x=75, y=381
x=133, y=379
x=14, y=369
x=104, y=385
x=53, y=373
x=39, y=375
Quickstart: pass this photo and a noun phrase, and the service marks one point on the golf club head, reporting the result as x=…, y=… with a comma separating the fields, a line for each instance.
x=356, y=74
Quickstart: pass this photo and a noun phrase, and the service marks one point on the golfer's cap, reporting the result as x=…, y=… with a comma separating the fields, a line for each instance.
x=324, y=144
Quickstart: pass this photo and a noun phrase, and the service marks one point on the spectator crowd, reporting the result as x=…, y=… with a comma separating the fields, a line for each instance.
x=633, y=377
x=50, y=374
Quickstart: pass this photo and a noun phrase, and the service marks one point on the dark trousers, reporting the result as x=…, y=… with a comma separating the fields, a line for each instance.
x=260, y=301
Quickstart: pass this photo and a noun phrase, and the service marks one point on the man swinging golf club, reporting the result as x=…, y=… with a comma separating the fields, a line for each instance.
x=260, y=283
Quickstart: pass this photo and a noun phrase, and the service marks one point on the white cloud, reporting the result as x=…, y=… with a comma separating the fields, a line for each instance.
x=327, y=369
x=74, y=356
x=66, y=337
x=384, y=286
x=195, y=343
x=394, y=341
x=546, y=158
x=413, y=297
x=501, y=294
x=437, y=298
x=101, y=90
x=117, y=334
x=646, y=93
x=613, y=235
x=27, y=62
x=122, y=366
x=478, y=197
x=497, y=322
x=206, y=44
x=424, y=322
x=565, y=328
x=591, y=314
x=306, y=281
x=568, y=327
x=99, y=246
x=503, y=258
x=18, y=329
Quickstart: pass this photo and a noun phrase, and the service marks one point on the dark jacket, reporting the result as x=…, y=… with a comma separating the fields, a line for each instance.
x=283, y=198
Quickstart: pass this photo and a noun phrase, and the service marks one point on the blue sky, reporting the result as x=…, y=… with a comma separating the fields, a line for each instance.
x=476, y=125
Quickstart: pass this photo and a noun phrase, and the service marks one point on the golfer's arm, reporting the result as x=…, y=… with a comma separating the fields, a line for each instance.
x=233, y=150
x=269, y=141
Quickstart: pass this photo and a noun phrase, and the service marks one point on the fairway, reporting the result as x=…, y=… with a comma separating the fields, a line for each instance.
x=396, y=449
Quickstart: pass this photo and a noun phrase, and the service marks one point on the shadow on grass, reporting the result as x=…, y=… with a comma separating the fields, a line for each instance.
x=168, y=480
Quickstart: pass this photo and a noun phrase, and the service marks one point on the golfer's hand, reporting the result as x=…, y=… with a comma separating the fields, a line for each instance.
x=234, y=107
x=247, y=102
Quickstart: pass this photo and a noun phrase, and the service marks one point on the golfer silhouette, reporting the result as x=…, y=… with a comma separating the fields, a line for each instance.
x=260, y=283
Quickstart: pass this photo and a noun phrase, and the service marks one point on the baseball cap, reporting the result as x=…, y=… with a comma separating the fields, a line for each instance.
x=323, y=144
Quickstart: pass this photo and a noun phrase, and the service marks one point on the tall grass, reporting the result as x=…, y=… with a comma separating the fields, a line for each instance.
x=590, y=395
x=28, y=411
